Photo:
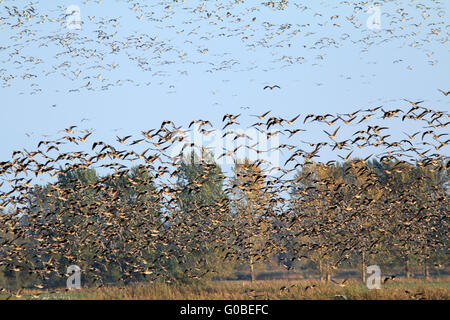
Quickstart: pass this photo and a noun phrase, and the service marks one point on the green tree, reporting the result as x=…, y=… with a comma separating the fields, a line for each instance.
x=252, y=213
x=202, y=213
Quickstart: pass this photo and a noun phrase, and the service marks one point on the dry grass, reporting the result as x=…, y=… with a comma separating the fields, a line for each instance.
x=435, y=289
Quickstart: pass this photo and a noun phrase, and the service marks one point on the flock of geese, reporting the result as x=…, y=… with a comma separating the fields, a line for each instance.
x=46, y=228
x=59, y=219
x=186, y=35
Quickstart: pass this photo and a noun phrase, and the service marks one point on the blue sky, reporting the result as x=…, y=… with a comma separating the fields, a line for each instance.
x=329, y=79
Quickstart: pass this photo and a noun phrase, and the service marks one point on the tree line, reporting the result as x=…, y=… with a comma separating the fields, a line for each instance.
x=128, y=226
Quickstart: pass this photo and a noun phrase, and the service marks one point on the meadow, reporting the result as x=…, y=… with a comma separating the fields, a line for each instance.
x=401, y=289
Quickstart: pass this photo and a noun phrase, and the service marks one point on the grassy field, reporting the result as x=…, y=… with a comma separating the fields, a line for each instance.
x=401, y=289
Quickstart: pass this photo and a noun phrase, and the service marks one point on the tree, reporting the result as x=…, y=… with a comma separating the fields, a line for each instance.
x=77, y=213
x=413, y=202
x=251, y=208
x=202, y=213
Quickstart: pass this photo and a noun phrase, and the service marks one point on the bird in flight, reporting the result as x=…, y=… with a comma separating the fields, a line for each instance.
x=388, y=278
x=332, y=135
x=414, y=103
x=271, y=87
x=445, y=93
x=261, y=116
x=341, y=284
